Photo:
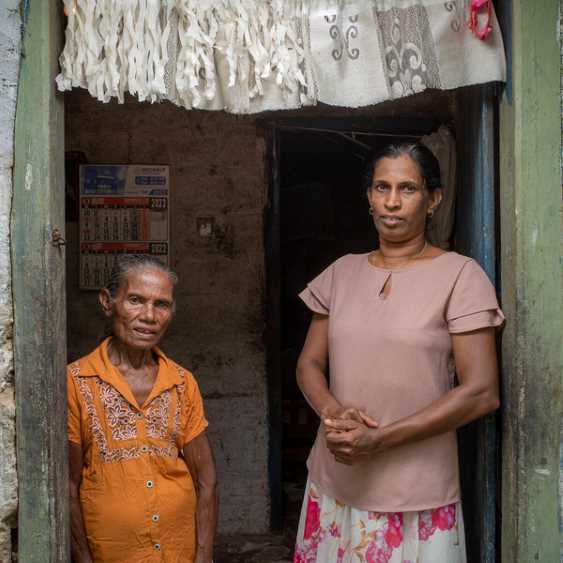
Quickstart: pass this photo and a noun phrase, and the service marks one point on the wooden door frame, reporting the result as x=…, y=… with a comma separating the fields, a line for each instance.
x=272, y=336
x=477, y=235
x=530, y=176
x=531, y=250
x=38, y=285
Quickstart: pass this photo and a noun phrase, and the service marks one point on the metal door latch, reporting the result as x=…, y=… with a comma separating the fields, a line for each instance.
x=57, y=239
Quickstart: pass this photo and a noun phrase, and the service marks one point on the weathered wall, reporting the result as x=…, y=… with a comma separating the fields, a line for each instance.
x=10, y=35
x=216, y=166
x=217, y=170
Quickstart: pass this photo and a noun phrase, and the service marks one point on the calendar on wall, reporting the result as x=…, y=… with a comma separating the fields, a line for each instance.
x=124, y=209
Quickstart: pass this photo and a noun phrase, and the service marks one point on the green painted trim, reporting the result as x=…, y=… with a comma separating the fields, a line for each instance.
x=39, y=294
x=530, y=199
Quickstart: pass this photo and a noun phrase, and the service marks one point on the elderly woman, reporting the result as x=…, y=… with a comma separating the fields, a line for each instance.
x=394, y=326
x=142, y=475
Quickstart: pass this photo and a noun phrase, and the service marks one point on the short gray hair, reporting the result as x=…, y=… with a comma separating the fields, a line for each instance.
x=127, y=263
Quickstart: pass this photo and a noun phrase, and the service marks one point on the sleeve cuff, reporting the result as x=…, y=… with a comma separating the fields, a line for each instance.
x=313, y=301
x=201, y=427
x=476, y=321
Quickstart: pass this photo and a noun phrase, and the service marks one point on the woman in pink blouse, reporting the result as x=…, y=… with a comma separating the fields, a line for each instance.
x=394, y=325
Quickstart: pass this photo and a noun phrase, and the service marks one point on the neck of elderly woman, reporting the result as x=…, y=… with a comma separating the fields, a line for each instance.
x=122, y=355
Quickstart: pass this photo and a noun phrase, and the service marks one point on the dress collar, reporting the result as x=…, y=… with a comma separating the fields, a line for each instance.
x=98, y=364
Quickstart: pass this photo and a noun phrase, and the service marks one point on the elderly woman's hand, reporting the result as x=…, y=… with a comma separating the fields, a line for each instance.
x=351, y=441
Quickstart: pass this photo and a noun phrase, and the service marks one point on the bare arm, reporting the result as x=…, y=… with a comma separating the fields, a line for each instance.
x=200, y=462
x=79, y=543
x=311, y=376
x=312, y=365
x=476, y=395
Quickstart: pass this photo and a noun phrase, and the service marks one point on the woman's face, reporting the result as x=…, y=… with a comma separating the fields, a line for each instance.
x=142, y=309
x=399, y=199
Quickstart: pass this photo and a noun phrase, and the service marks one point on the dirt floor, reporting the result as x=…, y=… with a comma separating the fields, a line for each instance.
x=271, y=548
x=255, y=549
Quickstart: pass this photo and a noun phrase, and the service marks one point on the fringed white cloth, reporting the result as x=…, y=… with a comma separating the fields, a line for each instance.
x=247, y=56
x=116, y=46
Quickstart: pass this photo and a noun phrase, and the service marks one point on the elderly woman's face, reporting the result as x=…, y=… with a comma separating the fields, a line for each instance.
x=399, y=199
x=142, y=309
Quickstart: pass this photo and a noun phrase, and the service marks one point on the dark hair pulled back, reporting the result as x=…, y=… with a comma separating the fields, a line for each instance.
x=423, y=157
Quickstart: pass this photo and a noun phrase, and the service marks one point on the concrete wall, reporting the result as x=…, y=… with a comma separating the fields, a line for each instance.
x=217, y=170
x=10, y=35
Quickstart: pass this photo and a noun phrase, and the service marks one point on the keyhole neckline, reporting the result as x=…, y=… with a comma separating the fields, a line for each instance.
x=386, y=287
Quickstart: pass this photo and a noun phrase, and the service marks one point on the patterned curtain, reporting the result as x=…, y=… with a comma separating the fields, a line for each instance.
x=247, y=56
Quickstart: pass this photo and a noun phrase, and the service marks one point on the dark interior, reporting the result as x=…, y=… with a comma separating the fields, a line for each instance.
x=323, y=215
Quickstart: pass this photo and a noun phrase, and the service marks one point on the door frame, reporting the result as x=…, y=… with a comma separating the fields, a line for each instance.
x=531, y=276
x=272, y=304
x=482, y=173
x=530, y=178
x=272, y=333
x=39, y=294
x=478, y=237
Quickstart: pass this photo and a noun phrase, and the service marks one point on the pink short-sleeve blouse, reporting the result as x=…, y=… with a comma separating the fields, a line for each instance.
x=391, y=356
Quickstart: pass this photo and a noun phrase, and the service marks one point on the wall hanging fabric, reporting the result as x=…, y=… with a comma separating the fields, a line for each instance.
x=248, y=56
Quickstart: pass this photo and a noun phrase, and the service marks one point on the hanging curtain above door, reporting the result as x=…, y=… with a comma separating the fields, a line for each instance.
x=248, y=56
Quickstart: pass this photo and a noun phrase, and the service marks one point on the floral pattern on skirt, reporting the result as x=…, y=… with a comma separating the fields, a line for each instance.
x=331, y=532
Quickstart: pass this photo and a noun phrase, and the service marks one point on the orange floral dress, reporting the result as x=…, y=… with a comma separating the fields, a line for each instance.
x=137, y=495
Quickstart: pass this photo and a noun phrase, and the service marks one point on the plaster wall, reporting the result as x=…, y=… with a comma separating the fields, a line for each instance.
x=217, y=170
x=10, y=38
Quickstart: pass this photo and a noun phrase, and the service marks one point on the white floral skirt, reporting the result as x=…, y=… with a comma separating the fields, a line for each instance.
x=331, y=532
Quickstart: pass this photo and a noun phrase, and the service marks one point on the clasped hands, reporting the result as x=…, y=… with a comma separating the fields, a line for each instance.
x=351, y=435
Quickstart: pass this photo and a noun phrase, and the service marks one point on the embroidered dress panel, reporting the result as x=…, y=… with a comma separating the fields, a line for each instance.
x=119, y=413
x=133, y=469
x=392, y=357
x=157, y=416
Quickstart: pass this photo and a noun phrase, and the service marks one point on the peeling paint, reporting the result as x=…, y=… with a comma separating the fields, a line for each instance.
x=535, y=233
x=28, y=176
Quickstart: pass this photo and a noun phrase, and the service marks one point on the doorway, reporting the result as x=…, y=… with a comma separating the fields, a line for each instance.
x=322, y=216
x=318, y=213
